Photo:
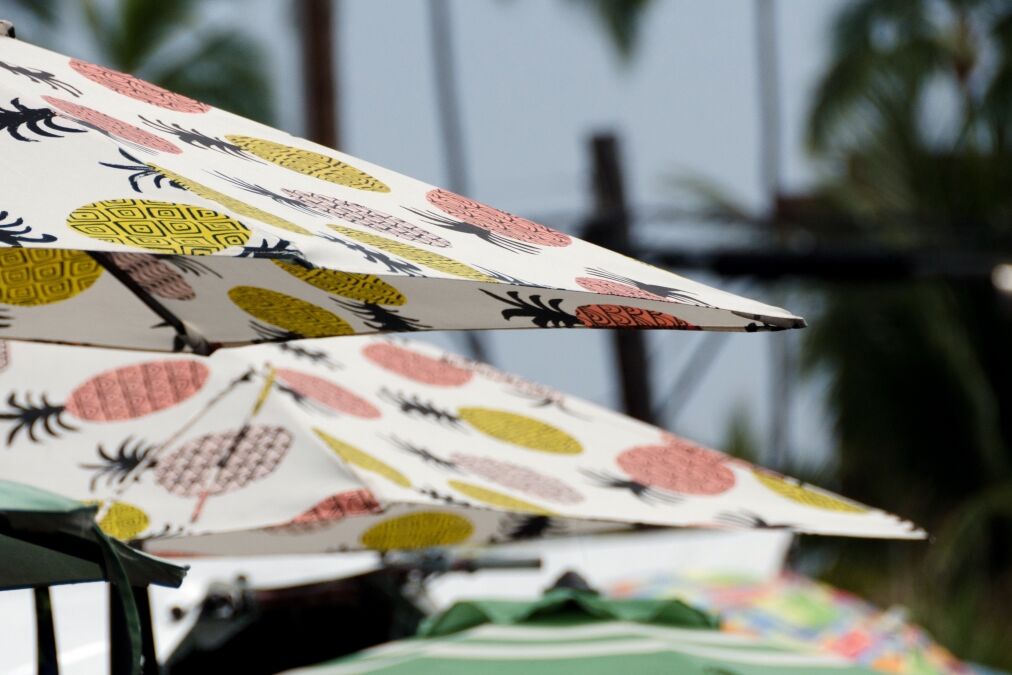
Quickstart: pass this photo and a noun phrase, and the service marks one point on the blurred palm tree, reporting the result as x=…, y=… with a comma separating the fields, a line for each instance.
x=620, y=20
x=912, y=119
x=165, y=43
x=40, y=9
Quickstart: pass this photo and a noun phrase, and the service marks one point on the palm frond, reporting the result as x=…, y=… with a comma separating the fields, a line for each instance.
x=621, y=21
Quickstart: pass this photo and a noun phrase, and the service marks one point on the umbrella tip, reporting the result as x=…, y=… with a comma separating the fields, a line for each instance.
x=6, y=29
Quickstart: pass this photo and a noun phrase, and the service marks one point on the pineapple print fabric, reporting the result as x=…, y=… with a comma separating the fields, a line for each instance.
x=182, y=225
x=365, y=442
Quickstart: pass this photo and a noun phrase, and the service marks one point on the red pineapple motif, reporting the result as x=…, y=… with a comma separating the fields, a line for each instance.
x=677, y=466
x=492, y=220
x=123, y=393
x=306, y=387
x=335, y=507
x=416, y=366
x=111, y=125
x=135, y=391
x=621, y=316
x=153, y=275
x=218, y=463
x=138, y=89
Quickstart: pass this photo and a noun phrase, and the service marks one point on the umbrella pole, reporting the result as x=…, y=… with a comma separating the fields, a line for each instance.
x=45, y=633
x=142, y=595
x=120, y=658
x=120, y=643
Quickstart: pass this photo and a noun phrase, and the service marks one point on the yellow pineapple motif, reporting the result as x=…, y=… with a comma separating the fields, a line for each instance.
x=437, y=262
x=361, y=287
x=163, y=227
x=309, y=163
x=121, y=520
x=31, y=277
x=292, y=314
x=418, y=530
x=498, y=499
x=356, y=457
x=231, y=203
x=805, y=495
x=521, y=430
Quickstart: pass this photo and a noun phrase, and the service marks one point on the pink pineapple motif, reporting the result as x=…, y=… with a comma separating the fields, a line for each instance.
x=676, y=467
x=416, y=366
x=111, y=125
x=507, y=474
x=305, y=387
x=622, y=316
x=517, y=477
x=489, y=224
x=123, y=393
x=357, y=214
x=218, y=463
x=607, y=287
x=336, y=507
x=138, y=89
x=155, y=276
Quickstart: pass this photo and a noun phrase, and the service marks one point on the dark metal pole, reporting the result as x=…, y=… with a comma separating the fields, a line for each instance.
x=316, y=27
x=45, y=633
x=781, y=357
x=450, y=125
x=610, y=228
x=142, y=597
x=121, y=660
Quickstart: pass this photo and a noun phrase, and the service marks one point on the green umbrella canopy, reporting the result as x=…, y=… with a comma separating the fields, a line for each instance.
x=570, y=631
x=46, y=539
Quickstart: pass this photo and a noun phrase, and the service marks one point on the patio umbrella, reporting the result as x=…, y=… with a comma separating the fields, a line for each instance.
x=571, y=631
x=46, y=540
x=367, y=442
x=184, y=226
x=800, y=611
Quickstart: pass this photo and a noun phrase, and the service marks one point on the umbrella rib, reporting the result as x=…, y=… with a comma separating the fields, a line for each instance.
x=198, y=344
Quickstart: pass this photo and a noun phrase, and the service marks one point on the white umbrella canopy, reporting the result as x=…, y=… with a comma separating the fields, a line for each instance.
x=365, y=442
x=112, y=187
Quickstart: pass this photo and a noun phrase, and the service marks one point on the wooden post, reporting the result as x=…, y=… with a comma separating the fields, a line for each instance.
x=609, y=227
x=781, y=356
x=316, y=24
x=451, y=127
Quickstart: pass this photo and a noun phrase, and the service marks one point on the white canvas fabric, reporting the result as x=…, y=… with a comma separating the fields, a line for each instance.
x=366, y=442
x=135, y=217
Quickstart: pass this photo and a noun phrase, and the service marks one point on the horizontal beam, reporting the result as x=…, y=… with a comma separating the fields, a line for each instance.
x=838, y=264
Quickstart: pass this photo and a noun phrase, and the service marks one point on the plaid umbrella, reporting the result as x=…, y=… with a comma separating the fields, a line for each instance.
x=184, y=226
x=578, y=632
x=367, y=442
x=802, y=612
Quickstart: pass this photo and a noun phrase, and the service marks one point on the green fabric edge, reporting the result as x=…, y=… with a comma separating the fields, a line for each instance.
x=51, y=523
x=563, y=606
